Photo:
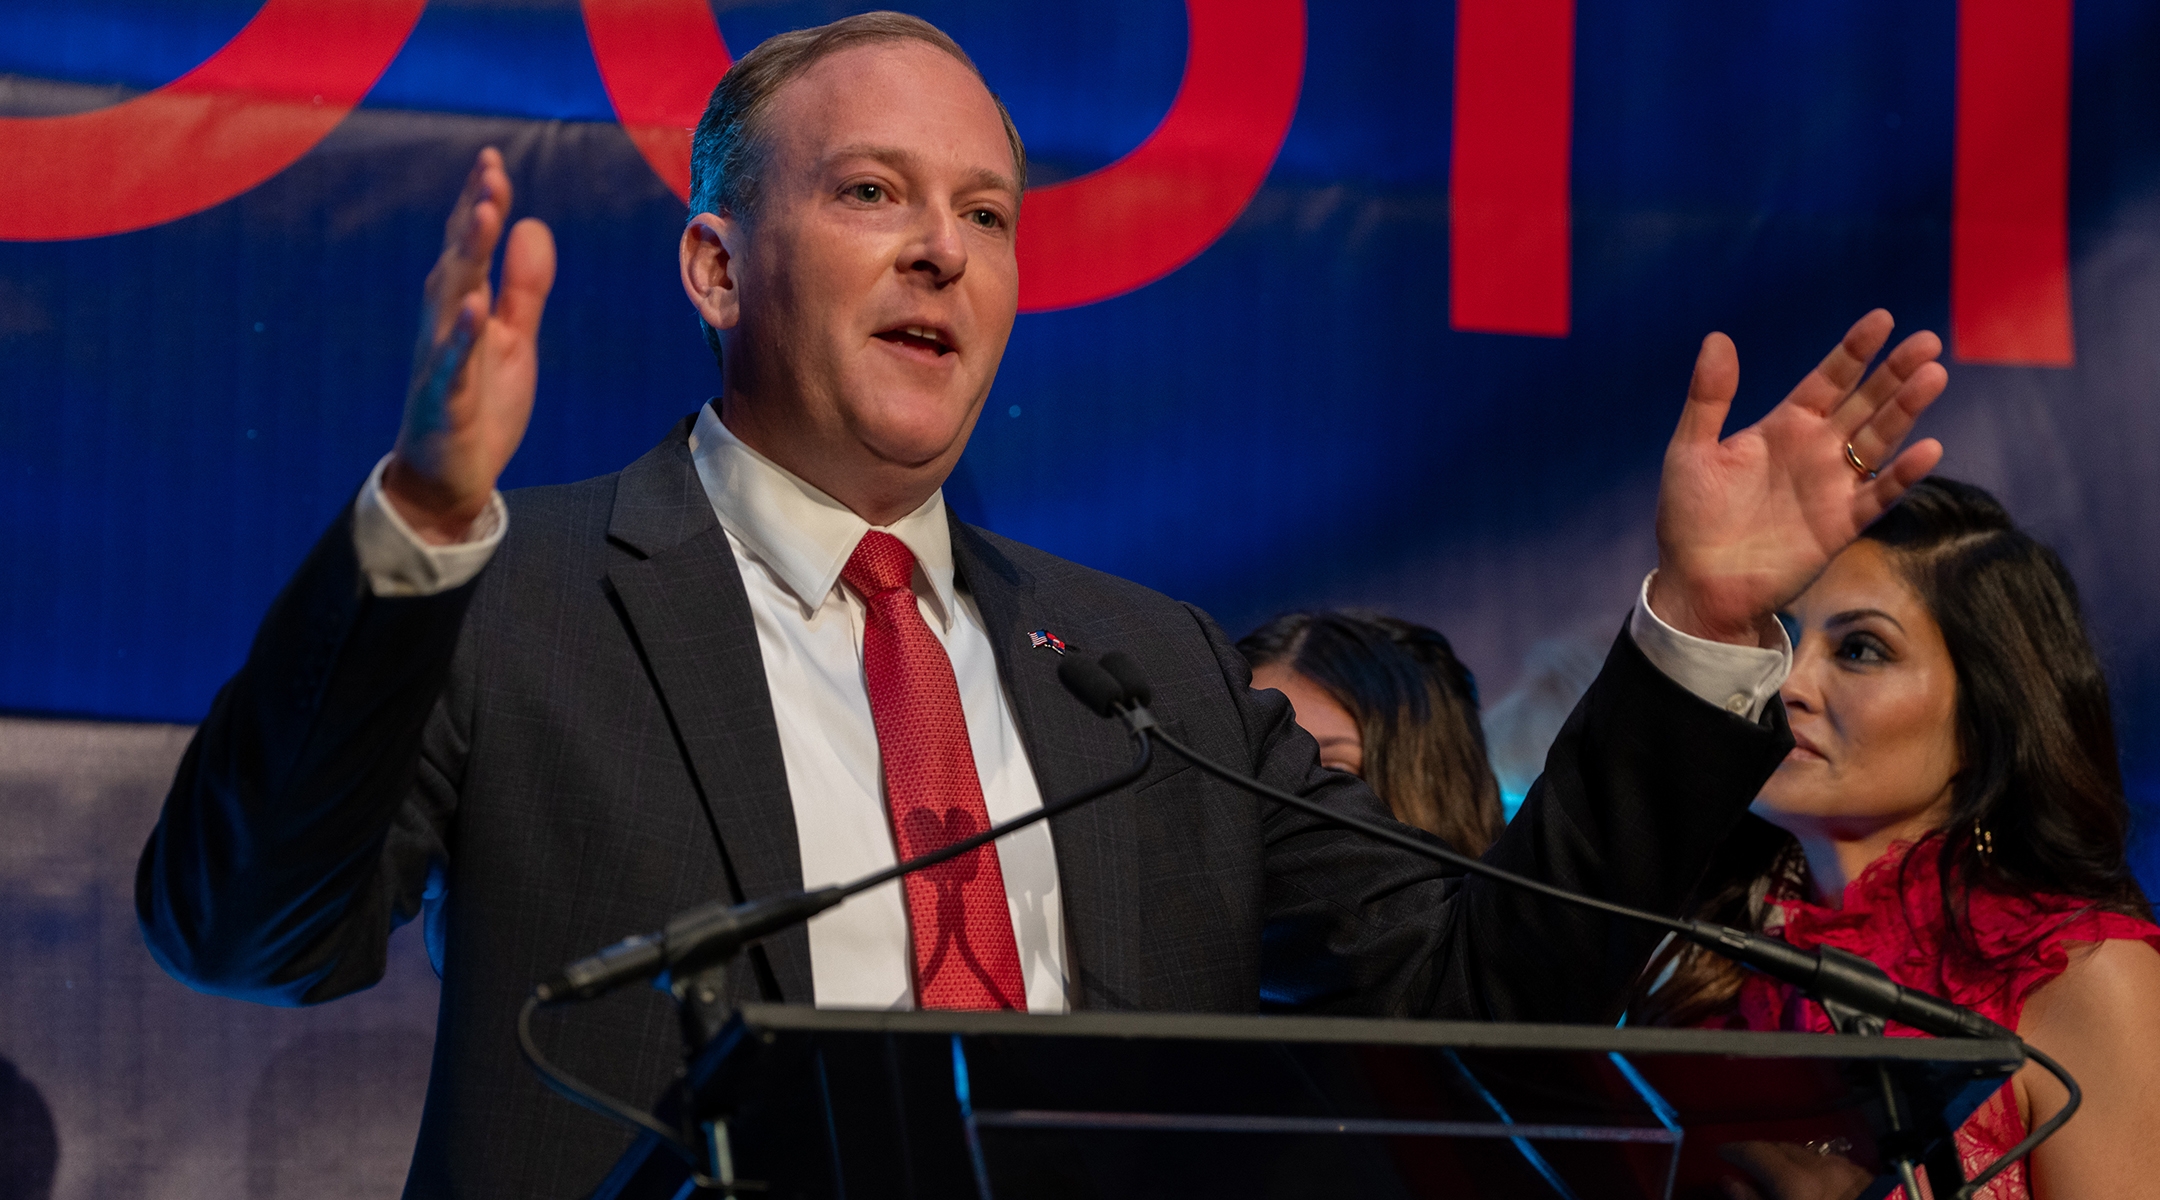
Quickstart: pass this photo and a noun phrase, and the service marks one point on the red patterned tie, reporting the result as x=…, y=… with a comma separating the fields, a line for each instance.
x=964, y=951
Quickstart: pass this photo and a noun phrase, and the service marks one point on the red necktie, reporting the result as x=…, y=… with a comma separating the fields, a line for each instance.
x=964, y=951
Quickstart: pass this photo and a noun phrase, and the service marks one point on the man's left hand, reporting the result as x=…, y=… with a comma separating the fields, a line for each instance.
x=1745, y=522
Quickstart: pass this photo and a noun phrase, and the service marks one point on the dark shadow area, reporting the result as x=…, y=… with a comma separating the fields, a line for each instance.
x=29, y=1145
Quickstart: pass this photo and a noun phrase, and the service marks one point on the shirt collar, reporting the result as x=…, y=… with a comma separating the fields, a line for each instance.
x=802, y=534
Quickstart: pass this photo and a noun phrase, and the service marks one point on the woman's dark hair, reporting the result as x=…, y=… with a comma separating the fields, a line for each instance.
x=1416, y=708
x=2040, y=771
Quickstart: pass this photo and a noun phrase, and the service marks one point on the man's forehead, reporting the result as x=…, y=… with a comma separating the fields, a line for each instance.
x=893, y=101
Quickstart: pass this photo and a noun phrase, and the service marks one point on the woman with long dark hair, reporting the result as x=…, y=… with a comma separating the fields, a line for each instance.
x=1953, y=810
x=1389, y=702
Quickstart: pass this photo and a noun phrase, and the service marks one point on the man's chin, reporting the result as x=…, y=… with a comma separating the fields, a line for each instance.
x=913, y=449
x=917, y=436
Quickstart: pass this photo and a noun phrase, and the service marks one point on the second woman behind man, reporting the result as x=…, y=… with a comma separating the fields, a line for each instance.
x=1388, y=702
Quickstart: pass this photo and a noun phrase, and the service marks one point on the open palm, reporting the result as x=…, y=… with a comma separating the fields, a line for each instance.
x=477, y=363
x=1744, y=522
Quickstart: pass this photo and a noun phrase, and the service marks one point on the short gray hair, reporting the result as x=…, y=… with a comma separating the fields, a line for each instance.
x=728, y=151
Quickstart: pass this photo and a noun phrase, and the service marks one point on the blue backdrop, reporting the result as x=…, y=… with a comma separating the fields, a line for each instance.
x=1287, y=420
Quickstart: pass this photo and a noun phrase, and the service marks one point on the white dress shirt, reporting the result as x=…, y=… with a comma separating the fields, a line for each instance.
x=790, y=542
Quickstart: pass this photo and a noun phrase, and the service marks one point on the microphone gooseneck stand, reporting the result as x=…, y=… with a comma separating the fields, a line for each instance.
x=688, y=958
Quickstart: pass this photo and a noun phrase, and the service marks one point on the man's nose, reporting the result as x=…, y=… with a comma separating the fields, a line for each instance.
x=938, y=251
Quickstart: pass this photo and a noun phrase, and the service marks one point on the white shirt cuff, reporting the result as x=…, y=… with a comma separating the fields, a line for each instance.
x=1739, y=679
x=397, y=562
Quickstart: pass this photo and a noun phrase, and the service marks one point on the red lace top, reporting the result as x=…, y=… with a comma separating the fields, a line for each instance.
x=1902, y=932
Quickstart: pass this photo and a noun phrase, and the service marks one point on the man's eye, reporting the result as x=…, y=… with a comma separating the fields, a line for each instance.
x=986, y=219
x=868, y=193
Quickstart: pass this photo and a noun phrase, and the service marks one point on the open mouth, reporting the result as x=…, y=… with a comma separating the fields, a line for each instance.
x=920, y=337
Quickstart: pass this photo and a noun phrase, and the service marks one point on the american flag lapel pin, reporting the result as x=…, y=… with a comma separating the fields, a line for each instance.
x=1043, y=637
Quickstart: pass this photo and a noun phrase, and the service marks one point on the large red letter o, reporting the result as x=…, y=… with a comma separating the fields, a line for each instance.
x=1157, y=208
x=1084, y=240
x=660, y=61
x=263, y=100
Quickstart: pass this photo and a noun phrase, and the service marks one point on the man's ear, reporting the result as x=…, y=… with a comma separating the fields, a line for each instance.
x=708, y=269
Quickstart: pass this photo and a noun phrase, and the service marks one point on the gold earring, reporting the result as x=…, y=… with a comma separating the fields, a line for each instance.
x=1984, y=840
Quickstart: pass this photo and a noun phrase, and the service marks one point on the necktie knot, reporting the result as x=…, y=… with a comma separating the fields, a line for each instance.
x=881, y=563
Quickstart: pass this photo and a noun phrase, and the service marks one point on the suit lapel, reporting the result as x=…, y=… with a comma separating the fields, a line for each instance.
x=686, y=607
x=1068, y=749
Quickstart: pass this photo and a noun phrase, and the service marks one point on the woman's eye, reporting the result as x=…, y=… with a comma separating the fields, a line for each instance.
x=868, y=193
x=1863, y=647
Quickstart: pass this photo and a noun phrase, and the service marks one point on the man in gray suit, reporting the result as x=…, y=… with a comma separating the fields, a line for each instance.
x=729, y=669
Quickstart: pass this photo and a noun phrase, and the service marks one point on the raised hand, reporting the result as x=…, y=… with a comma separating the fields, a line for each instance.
x=1745, y=522
x=476, y=364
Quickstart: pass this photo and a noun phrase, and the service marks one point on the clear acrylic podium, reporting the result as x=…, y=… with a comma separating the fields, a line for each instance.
x=1005, y=1106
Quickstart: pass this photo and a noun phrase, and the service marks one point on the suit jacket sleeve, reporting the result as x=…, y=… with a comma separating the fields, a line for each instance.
x=1642, y=782
x=311, y=809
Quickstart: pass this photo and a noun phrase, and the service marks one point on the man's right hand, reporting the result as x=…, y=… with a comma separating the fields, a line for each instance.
x=476, y=363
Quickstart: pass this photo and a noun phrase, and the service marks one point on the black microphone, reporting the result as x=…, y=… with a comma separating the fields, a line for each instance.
x=1835, y=976
x=1091, y=684
x=692, y=940
x=1122, y=668
x=1109, y=688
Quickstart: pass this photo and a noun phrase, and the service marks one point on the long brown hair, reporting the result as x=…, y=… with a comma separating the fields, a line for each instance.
x=1417, y=713
x=2041, y=773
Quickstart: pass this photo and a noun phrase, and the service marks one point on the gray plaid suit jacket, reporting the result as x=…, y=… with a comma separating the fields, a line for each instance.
x=580, y=743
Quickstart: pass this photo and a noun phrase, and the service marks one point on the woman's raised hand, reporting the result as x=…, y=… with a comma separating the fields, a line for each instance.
x=1744, y=522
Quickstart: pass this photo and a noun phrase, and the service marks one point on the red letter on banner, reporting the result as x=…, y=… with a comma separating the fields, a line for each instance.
x=2009, y=224
x=1083, y=240
x=1508, y=185
x=660, y=63
x=244, y=114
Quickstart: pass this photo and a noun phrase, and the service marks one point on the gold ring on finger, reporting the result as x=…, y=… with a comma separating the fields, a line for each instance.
x=1853, y=456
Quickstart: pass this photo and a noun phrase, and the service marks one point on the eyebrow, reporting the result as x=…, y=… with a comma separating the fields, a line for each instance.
x=980, y=179
x=1852, y=615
